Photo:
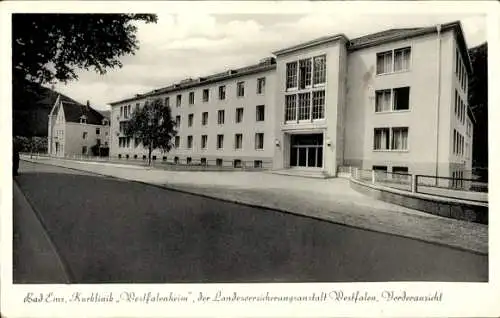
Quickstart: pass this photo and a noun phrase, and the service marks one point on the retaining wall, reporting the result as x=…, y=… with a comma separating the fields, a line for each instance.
x=451, y=208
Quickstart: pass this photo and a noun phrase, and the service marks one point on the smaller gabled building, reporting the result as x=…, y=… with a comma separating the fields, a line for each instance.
x=74, y=129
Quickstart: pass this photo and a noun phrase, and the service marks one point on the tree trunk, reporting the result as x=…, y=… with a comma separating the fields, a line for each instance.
x=150, y=151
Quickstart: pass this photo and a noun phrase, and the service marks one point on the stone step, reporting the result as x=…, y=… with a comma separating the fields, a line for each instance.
x=302, y=173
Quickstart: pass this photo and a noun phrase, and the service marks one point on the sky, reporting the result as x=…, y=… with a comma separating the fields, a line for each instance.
x=180, y=46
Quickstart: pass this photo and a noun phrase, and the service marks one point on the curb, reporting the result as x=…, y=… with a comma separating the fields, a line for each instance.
x=252, y=205
x=61, y=263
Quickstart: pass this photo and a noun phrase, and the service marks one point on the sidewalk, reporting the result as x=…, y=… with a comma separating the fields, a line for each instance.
x=327, y=199
x=33, y=246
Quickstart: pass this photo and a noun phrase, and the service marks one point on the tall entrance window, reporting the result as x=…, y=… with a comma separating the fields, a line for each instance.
x=306, y=150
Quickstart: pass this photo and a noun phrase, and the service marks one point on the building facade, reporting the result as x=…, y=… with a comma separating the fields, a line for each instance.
x=75, y=128
x=394, y=101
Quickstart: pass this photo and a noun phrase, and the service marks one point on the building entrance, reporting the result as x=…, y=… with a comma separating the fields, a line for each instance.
x=306, y=150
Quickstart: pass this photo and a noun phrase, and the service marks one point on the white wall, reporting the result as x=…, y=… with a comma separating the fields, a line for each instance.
x=334, y=87
x=248, y=127
x=421, y=119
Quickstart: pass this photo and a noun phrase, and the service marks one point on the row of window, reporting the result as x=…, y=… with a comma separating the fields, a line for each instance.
x=125, y=111
x=397, y=60
x=458, y=143
x=394, y=138
x=305, y=106
x=306, y=73
x=395, y=99
x=221, y=114
x=460, y=71
x=240, y=92
x=236, y=163
x=395, y=169
x=460, y=108
x=125, y=142
x=238, y=141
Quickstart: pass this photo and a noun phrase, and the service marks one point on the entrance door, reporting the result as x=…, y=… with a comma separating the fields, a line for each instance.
x=306, y=150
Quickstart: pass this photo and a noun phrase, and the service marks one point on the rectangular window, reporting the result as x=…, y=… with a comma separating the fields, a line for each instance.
x=84, y=150
x=238, y=141
x=318, y=111
x=305, y=69
x=218, y=162
x=319, y=70
x=384, y=62
x=190, y=120
x=454, y=141
x=383, y=100
x=206, y=94
x=257, y=163
x=220, y=141
x=381, y=139
x=291, y=75
x=261, y=85
x=239, y=115
x=304, y=106
x=380, y=168
x=400, y=138
x=290, y=107
x=456, y=103
x=190, y=142
x=222, y=92
x=220, y=117
x=98, y=131
x=177, y=141
x=191, y=98
x=167, y=101
x=401, y=99
x=402, y=59
x=237, y=163
x=204, y=118
x=204, y=141
x=203, y=161
x=259, y=141
x=240, y=91
x=400, y=170
x=121, y=111
x=259, y=113
x=129, y=110
x=178, y=120
x=84, y=136
x=179, y=100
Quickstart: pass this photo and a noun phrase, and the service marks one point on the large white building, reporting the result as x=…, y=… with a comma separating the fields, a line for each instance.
x=394, y=100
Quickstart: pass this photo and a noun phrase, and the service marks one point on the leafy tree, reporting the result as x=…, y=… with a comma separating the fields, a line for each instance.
x=153, y=126
x=478, y=100
x=47, y=48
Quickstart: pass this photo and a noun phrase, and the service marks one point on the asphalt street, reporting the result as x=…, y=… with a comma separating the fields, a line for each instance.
x=107, y=230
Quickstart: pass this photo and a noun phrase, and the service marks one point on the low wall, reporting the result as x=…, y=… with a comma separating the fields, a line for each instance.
x=451, y=208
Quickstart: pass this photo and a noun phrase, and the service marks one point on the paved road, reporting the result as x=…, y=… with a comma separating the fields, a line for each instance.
x=108, y=230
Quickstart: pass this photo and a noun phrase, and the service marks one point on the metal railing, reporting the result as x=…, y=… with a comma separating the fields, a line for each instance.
x=457, y=188
x=447, y=187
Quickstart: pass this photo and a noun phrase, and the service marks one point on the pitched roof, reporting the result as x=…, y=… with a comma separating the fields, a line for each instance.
x=105, y=113
x=375, y=38
x=354, y=44
x=73, y=111
x=264, y=65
